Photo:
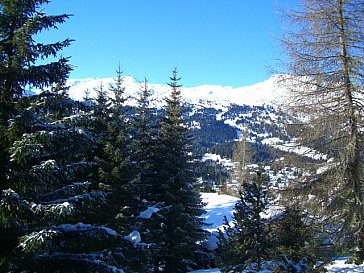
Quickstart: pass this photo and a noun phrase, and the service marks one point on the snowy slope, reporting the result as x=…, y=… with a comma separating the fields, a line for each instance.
x=215, y=96
x=217, y=206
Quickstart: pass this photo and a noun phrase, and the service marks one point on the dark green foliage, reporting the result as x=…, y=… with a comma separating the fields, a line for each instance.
x=53, y=183
x=144, y=141
x=245, y=242
x=178, y=221
x=292, y=235
x=20, y=21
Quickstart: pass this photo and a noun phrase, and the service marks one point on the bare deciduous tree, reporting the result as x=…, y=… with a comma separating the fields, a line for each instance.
x=325, y=47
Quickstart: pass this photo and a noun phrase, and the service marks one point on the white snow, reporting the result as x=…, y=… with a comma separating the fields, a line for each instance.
x=134, y=237
x=86, y=227
x=340, y=266
x=215, y=96
x=215, y=157
x=293, y=147
x=148, y=212
x=217, y=206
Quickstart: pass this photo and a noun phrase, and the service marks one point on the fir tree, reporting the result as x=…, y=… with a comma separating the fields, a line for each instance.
x=20, y=21
x=292, y=235
x=244, y=242
x=180, y=225
x=52, y=212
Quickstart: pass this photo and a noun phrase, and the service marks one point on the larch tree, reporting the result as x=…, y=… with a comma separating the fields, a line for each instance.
x=325, y=46
x=241, y=155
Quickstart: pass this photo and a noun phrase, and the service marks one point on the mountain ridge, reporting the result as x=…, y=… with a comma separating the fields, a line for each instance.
x=216, y=96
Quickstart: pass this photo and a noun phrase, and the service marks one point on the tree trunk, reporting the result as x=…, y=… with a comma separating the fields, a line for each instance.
x=353, y=165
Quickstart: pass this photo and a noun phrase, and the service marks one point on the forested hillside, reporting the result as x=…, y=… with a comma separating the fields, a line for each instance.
x=106, y=175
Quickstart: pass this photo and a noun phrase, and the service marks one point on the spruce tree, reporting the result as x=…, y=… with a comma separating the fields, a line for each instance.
x=292, y=235
x=143, y=167
x=117, y=169
x=110, y=124
x=180, y=225
x=20, y=21
x=52, y=214
x=145, y=122
x=244, y=242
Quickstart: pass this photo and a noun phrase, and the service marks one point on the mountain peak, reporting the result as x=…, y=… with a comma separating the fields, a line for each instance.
x=219, y=96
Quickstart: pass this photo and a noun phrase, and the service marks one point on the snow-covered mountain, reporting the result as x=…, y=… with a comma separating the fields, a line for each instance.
x=215, y=96
x=216, y=115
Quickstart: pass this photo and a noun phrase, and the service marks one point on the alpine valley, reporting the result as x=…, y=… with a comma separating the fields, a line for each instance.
x=217, y=116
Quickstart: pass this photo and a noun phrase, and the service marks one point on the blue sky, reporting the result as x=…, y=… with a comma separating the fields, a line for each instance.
x=226, y=42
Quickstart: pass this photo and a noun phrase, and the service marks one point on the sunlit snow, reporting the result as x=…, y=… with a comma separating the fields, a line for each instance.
x=219, y=205
x=215, y=96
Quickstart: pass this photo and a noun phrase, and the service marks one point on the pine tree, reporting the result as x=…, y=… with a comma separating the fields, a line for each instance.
x=293, y=235
x=244, y=242
x=20, y=21
x=53, y=212
x=178, y=220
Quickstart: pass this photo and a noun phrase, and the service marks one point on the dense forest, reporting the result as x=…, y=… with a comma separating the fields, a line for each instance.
x=101, y=186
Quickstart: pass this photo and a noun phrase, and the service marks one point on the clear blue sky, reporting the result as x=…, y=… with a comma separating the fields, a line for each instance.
x=226, y=42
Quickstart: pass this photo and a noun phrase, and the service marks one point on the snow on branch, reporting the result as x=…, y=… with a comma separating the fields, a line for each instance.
x=91, y=197
x=84, y=261
x=68, y=190
x=80, y=233
x=148, y=212
x=11, y=203
x=81, y=228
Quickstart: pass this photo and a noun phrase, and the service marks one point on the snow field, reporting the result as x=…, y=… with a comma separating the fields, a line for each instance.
x=219, y=205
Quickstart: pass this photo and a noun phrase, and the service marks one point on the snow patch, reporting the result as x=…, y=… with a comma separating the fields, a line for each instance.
x=134, y=237
x=148, y=212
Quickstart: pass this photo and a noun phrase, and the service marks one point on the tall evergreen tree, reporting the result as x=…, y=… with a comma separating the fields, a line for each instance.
x=145, y=184
x=20, y=21
x=180, y=225
x=144, y=140
x=117, y=151
x=244, y=242
x=52, y=214
x=325, y=47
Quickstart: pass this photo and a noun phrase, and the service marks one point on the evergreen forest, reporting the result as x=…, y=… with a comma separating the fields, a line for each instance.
x=100, y=185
